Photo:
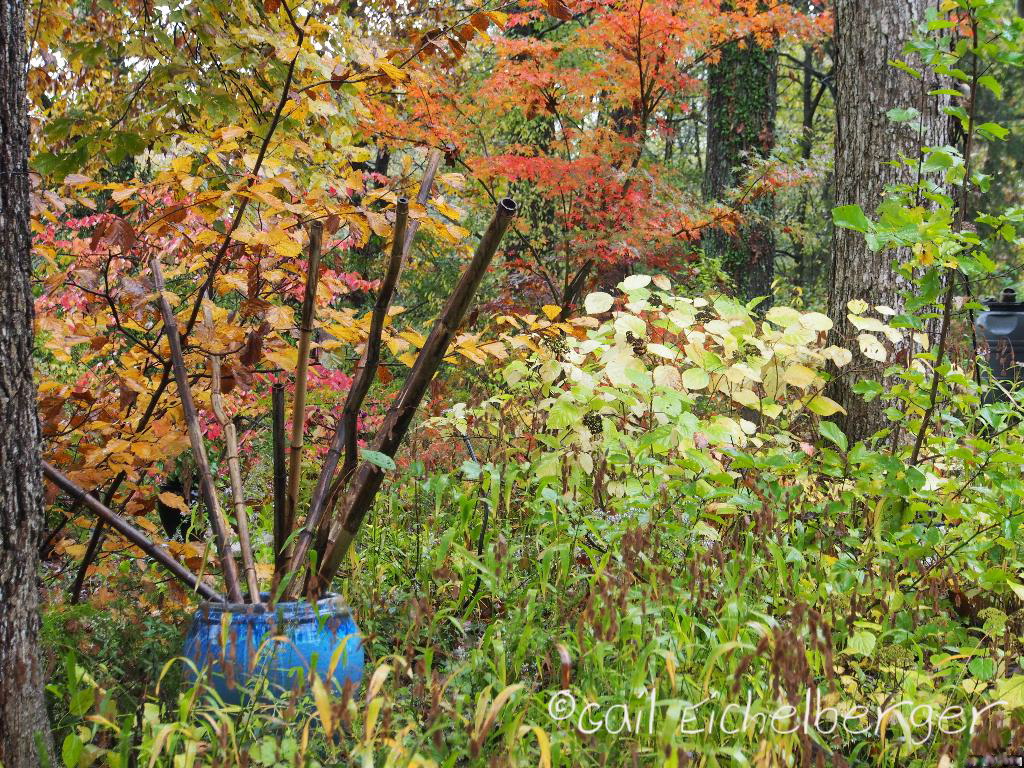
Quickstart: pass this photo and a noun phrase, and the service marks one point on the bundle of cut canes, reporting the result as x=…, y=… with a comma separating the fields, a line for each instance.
x=309, y=549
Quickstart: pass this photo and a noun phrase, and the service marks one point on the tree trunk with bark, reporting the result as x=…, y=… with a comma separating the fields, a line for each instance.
x=24, y=727
x=867, y=148
x=742, y=98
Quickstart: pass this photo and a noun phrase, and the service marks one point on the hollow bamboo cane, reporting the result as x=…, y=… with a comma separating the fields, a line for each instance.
x=364, y=486
x=325, y=491
x=209, y=492
x=302, y=375
x=130, y=532
x=234, y=471
x=361, y=382
x=280, y=481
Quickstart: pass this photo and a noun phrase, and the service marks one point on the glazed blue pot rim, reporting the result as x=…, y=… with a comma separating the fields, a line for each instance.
x=330, y=604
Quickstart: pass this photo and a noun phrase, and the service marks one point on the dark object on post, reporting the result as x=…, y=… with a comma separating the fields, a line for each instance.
x=177, y=524
x=1002, y=328
x=130, y=532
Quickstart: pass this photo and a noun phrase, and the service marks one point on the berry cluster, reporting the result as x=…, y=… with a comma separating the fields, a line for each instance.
x=592, y=421
x=638, y=344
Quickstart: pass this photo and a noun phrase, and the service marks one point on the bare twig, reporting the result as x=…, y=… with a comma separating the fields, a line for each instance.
x=133, y=534
x=217, y=520
x=958, y=224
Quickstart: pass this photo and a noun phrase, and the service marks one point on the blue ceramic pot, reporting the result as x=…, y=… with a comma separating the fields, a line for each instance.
x=242, y=646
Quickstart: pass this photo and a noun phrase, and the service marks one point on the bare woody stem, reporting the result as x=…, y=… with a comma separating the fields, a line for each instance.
x=573, y=290
x=363, y=378
x=217, y=520
x=367, y=368
x=426, y=183
x=367, y=480
x=325, y=491
x=958, y=223
x=130, y=532
x=302, y=374
x=281, y=532
x=234, y=470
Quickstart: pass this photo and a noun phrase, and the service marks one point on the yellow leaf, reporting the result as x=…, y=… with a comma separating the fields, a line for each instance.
x=543, y=743
x=391, y=70
x=120, y=195
x=323, y=704
x=472, y=353
x=799, y=376
x=414, y=338
x=175, y=501
x=497, y=17
x=871, y=347
x=146, y=451
x=551, y=311
x=380, y=674
x=494, y=709
x=824, y=406
x=284, y=358
x=857, y=306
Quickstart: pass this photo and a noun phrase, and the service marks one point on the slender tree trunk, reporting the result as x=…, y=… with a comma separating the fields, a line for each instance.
x=24, y=728
x=742, y=97
x=867, y=148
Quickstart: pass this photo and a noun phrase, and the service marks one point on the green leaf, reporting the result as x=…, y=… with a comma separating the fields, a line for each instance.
x=695, y=378
x=937, y=160
x=71, y=750
x=850, y=217
x=905, y=67
x=983, y=669
x=992, y=84
x=903, y=115
x=831, y=431
x=379, y=459
x=1011, y=690
x=861, y=644
x=993, y=131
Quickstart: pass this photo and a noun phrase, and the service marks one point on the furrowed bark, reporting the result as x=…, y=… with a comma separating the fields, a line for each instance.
x=25, y=740
x=302, y=374
x=281, y=532
x=741, y=107
x=868, y=147
x=361, y=492
x=131, y=533
x=362, y=380
x=218, y=521
x=234, y=471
